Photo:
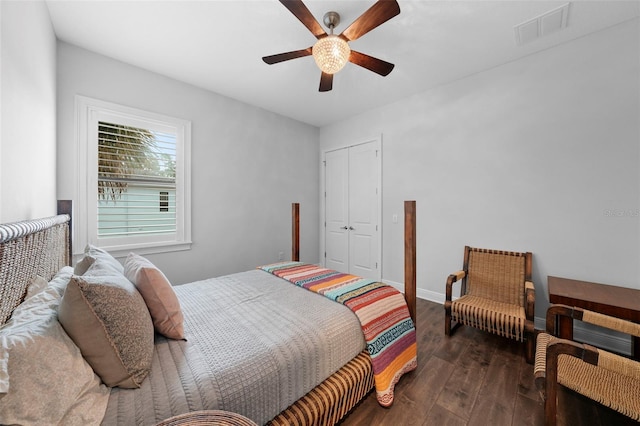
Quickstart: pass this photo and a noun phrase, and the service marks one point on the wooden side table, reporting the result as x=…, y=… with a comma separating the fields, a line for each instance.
x=619, y=302
x=208, y=417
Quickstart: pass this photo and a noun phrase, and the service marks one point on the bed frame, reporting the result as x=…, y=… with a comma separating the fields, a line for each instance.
x=409, y=250
x=31, y=248
x=40, y=247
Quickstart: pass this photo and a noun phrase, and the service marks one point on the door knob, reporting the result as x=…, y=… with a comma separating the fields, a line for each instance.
x=351, y=228
x=344, y=227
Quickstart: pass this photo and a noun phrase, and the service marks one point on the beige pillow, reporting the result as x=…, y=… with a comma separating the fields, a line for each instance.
x=108, y=320
x=158, y=294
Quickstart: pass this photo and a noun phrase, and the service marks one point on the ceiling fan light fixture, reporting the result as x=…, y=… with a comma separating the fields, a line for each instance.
x=331, y=53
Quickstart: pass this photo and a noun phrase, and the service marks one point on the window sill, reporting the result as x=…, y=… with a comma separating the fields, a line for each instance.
x=121, y=252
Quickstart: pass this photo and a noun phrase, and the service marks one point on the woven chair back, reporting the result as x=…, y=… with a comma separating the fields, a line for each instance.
x=497, y=275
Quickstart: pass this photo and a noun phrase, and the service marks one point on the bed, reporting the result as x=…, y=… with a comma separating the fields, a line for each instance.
x=322, y=371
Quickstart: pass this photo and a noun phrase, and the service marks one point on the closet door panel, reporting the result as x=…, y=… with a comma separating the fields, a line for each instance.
x=363, y=220
x=337, y=210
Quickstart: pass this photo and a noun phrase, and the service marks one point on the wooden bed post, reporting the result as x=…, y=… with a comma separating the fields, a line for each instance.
x=410, y=257
x=66, y=207
x=295, y=232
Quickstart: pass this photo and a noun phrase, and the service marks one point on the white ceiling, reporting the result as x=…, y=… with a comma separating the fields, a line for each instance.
x=218, y=45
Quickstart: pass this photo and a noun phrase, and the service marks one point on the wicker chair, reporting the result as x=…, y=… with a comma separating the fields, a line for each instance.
x=496, y=295
x=610, y=379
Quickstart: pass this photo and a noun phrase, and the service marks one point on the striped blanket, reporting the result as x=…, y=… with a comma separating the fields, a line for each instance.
x=388, y=329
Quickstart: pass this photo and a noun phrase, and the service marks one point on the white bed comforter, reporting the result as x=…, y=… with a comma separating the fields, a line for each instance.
x=255, y=344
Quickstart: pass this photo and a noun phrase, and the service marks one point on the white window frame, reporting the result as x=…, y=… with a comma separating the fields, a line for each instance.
x=88, y=112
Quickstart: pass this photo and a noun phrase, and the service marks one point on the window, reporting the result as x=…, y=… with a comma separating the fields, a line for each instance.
x=137, y=193
x=133, y=165
x=164, y=201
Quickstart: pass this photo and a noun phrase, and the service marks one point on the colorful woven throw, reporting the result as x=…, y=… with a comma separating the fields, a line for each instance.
x=388, y=329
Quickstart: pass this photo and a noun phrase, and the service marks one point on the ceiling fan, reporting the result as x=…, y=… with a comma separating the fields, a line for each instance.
x=331, y=52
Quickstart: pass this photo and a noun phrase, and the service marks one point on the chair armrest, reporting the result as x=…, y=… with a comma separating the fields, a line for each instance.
x=590, y=317
x=546, y=365
x=452, y=279
x=555, y=311
x=529, y=300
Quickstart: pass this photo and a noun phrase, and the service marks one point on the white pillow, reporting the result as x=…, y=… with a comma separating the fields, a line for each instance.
x=36, y=285
x=4, y=366
x=93, y=254
x=43, y=377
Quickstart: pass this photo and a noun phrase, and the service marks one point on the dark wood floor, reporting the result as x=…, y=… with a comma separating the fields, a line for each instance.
x=472, y=378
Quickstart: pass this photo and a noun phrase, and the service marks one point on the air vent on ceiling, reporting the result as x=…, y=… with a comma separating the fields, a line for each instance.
x=540, y=26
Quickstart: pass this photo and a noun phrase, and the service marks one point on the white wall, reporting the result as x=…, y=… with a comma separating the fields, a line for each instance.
x=27, y=111
x=532, y=156
x=248, y=165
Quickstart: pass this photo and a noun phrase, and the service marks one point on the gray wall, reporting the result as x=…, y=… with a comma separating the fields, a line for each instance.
x=248, y=165
x=27, y=111
x=535, y=155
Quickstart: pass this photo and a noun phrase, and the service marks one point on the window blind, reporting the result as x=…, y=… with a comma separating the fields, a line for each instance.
x=136, y=181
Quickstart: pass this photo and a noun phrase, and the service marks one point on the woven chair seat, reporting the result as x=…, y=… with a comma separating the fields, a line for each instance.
x=500, y=318
x=608, y=383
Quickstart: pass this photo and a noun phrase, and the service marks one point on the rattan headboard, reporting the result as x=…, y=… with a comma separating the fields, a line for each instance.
x=29, y=248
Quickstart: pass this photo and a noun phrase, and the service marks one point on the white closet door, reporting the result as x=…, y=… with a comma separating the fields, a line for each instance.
x=337, y=210
x=351, y=210
x=363, y=211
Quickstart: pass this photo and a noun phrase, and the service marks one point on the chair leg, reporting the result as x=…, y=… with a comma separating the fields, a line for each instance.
x=447, y=321
x=530, y=348
x=551, y=388
x=550, y=403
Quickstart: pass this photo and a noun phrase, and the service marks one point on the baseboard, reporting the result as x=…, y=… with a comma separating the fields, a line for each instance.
x=431, y=296
x=614, y=342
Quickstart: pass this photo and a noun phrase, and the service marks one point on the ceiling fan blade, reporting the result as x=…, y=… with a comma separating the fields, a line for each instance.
x=301, y=12
x=379, y=13
x=281, y=57
x=326, y=82
x=372, y=64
